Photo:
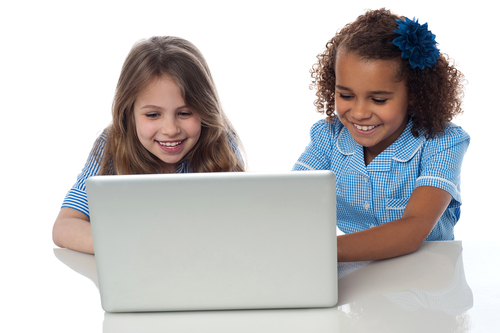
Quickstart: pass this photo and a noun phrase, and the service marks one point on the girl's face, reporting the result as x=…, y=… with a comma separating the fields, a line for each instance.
x=370, y=101
x=166, y=127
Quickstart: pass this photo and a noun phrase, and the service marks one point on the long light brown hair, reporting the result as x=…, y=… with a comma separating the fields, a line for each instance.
x=217, y=148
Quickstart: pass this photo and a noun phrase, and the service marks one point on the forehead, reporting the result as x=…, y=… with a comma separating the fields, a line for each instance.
x=352, y=71
x=160, y=91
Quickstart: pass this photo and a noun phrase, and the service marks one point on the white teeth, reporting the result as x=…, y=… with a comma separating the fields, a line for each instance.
x=364, y=128
x=171, y=144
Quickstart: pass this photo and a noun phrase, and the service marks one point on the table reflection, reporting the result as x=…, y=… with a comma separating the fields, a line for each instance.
x=262, y=321
x=423, y=291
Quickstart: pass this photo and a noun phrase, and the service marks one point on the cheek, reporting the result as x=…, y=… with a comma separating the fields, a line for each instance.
x=399, y=114
x=144, y=129
x=193, y=127
x=339, y=106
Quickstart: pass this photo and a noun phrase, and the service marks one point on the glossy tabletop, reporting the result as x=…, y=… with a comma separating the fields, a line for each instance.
x=443, y=287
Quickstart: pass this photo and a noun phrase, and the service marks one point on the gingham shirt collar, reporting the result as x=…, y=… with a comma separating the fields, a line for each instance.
x=402, y=150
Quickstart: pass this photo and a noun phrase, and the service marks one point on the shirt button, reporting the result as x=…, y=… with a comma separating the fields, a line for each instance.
x=366, y=205
x=366, y=179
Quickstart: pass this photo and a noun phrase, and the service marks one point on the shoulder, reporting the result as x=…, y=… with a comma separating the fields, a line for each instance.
x=93, y=164
x=323, y=127
x=334, y=137
x=322, y=131
x=453, y=132
x=100, y=143
x=103, y=137
x=441, y=160
x=320, y=151
x=407, y=145
x=452, y=136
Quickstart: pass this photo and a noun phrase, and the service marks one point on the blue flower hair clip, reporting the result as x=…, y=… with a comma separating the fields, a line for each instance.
x=417, y=44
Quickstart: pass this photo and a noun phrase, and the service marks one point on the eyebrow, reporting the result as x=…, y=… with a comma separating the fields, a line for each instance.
x=150, y=107
x=375, y=92
x=159, y=107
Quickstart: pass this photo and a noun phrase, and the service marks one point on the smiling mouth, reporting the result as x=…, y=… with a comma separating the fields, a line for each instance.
x=365, y=128
x=172, y=144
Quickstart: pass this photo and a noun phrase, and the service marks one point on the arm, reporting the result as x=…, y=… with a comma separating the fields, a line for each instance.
x=437, y=185
x=72, y=230
x=72, y=226
x=399, y=237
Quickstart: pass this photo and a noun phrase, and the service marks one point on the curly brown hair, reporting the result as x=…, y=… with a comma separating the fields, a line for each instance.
x=434, y=94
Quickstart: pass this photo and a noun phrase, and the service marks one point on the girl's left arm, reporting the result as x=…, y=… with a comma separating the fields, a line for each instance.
x=399, y=237
x=435, y=188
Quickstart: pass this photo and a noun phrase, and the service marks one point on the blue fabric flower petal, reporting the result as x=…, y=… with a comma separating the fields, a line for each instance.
x=417, y=43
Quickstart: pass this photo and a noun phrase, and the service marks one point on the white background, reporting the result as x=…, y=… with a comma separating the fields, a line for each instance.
x=60, y=61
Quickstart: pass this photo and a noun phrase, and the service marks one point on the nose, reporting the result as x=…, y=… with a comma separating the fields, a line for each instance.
x=360, y=110
x=170, y=127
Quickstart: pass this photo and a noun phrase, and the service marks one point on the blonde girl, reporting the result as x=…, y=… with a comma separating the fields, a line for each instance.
x=167, y=118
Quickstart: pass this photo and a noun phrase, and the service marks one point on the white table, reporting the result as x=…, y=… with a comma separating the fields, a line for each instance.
x=439, y=288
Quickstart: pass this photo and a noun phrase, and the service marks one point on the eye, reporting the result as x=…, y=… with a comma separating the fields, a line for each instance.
x=185, y=114
x=344, y=96
x=379, y=100
x=152, y=115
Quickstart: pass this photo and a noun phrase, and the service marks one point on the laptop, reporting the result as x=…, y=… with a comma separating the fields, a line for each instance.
x=215, y=241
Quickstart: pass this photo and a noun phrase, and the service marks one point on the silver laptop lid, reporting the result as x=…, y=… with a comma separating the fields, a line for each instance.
x=215, y=240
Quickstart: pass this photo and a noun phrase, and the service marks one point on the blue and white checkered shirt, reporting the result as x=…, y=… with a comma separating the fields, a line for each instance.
x=77, y=195
x=368, y=196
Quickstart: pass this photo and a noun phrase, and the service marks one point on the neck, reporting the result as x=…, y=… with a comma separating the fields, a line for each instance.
x=168, y=168
x=371, y=152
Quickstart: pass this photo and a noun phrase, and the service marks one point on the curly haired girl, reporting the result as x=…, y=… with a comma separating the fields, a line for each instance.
x=167, y=118
x=389, y=96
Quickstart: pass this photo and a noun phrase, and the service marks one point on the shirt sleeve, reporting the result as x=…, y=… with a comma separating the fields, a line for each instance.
x=233, y=141
x=314, y=156
x=76, y=198
x=442, y=161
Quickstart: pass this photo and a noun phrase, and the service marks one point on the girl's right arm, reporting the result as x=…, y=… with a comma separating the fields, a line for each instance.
x=72, y=230
x=72, y=226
